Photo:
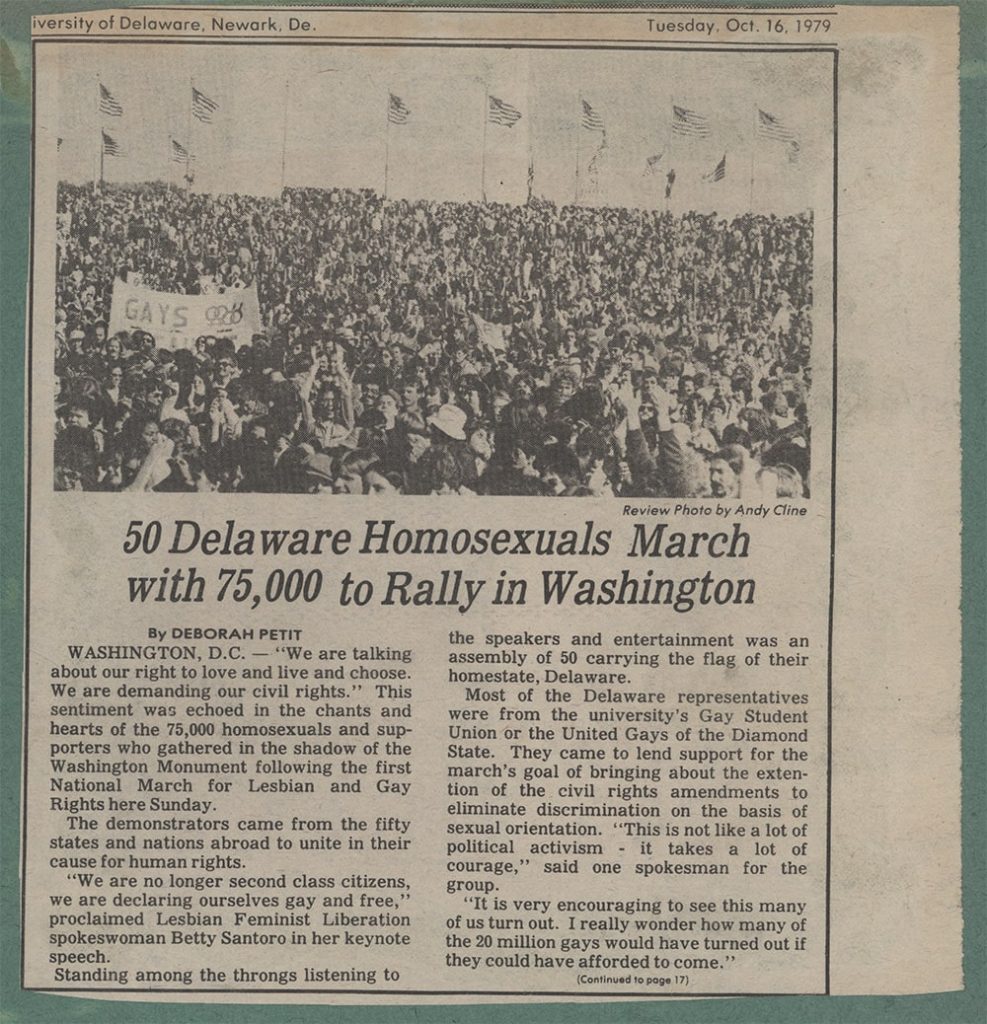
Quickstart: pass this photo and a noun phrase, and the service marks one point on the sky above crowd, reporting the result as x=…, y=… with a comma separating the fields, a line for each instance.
x=317, y=116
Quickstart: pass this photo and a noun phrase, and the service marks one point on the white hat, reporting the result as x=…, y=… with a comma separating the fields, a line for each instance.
x=451, y=420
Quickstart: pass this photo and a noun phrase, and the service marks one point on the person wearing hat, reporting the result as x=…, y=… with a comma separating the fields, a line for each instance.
x=318, y=472
x=448, y=432
x=448, y=424
x=75, y=357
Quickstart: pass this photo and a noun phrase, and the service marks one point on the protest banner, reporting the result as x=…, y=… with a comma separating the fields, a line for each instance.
x=177, y=320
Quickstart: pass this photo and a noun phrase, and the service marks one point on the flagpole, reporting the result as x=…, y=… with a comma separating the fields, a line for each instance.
x=99, y=135
x=102, y=140
x=753, y=149
x=597, y=153
x=284, y=132
x=483, y=144
x=530, y=149
x=579, y=136
x=531, y=170
x=668, y=150
x=188, y=138
x=527, y=129
x=671, y=163
x=387, y=142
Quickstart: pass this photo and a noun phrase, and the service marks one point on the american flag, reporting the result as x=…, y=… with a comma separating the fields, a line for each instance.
x=719, y=172
x=770, y=127
x=110, y=145
x=669, y=182
x=688, y=122
x=108, y=103
x=591, y=119
x=203, y=107
x=397, y=111
x=502, y=113
x=179, y=154
x=651, y=164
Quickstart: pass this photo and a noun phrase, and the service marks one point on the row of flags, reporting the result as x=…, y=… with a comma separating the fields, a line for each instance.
x=685, y=123
x=689, y=123
x=651, y=165
x=112, y=147
x=180, y=155
x=498, y=111
x=202, y=106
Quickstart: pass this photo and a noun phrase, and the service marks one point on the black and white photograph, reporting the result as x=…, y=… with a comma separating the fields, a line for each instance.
x=425, y=271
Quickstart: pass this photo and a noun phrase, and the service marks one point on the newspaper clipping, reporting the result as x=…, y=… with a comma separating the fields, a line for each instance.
x=332, y=694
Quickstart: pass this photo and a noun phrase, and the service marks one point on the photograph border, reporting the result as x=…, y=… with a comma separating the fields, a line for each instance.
x=445, y=43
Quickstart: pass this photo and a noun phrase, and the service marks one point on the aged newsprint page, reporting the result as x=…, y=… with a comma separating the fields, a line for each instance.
x=494, y=505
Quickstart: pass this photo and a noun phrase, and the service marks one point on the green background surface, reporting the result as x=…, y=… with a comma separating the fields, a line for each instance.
x=966, y=1007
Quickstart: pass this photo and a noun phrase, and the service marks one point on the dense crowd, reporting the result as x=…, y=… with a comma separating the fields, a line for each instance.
x=436, y=348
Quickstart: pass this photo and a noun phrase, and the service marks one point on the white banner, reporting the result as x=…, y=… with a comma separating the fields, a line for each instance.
x=177, y=320
x=489, y=334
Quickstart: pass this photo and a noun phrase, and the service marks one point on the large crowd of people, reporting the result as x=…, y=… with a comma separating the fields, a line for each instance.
x=436, y=348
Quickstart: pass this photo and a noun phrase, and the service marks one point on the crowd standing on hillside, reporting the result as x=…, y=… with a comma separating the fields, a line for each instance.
x=436, y=348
